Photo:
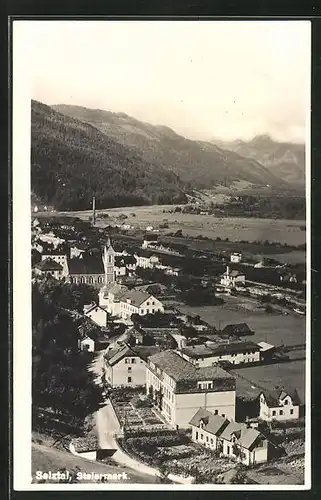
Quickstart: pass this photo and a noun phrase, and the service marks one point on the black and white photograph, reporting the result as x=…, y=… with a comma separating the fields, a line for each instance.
x=161, y=254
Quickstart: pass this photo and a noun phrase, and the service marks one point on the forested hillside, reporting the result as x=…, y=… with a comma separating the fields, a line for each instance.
x=200, y=163
x=71, y=161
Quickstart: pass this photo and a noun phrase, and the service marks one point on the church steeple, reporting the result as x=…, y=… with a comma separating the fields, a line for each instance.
x=109, y=262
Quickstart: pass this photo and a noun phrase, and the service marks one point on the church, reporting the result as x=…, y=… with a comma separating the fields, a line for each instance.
x=117, y=299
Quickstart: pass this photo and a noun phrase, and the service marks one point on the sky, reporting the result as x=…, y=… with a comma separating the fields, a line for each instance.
x=204, y=79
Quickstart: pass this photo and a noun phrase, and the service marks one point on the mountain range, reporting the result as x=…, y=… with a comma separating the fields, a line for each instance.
x=283, y=159
x=77, y=152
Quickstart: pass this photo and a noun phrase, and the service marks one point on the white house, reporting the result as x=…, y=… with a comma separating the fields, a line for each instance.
x=146, y=261
x=231, y=278
x=179, y=389
x=126, y=366
x=96, y=313
x=236, y=258
x=279, y=405
x=149, y=239
x=49, y=267
x=87, y=344
x=122, y=302
x=232, y=439
x=58, y=257
x=212, y=353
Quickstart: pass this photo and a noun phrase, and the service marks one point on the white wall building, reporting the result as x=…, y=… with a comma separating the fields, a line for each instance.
x=232, y=278
x=279, y=405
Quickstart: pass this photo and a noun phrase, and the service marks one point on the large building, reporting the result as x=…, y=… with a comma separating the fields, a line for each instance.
x=233, y=352
x=232, y=278
x=125, y=366
x=179, y=388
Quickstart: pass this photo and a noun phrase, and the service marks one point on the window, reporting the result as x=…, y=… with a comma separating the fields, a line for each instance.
x=211, y=441
x=100, y=280
x=223, y=415
x=207, y=439
x=273, y=413
x=129, y=369
x=216, y=412
x=291, y=412
x=152, y=310
x=227, y=450
x=202, y=436
x=147, y=303
x=126, y=361
x=153, y=303
x=281, y=412
x=286, y=402
x=196, y=435
x=129, y=379
x=133, y=361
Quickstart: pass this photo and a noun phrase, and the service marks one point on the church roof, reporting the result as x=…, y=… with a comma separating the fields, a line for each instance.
x=88, y=264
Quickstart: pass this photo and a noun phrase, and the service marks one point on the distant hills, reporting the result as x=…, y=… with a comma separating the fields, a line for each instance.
x=71, y=161
x=200, y=163
x=284, y=160
x=78, y=152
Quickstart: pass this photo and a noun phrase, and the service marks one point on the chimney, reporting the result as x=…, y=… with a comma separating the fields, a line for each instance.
x=94, y=211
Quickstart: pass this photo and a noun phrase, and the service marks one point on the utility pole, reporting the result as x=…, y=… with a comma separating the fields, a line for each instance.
x=94, y=211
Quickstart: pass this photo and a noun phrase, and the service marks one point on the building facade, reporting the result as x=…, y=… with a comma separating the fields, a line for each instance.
x=179, y=388
x=233, y=352
x=279, y=405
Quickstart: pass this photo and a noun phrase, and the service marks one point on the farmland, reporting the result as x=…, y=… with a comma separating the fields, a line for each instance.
x=236, y=229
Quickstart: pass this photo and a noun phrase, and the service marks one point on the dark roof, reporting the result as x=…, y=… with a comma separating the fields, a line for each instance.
x=88, y=264
x=273, y=397
x=145, y=352
x=136, y=297
x=237, y=328
x=49, y=265
x=212, y=423
x=180, y=370
x=84, y=444
x=95, y=306
x=151, y=237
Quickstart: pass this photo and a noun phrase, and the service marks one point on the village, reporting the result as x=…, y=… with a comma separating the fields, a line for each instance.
x=178, y=399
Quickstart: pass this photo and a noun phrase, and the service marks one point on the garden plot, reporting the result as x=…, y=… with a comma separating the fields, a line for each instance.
x=131, y=416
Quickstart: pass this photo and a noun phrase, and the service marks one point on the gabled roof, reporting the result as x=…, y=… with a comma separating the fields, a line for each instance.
x=212, y=423
x=245, y=436
x=136, y=297
x=273, y=398
x=220, y=349
x=117, y=354
x=49, y=265
x=88, y=264
x=95, y=306
x=181, y=370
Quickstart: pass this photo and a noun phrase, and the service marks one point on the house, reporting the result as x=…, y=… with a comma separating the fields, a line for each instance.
x=97, y=314
x=86, y=344
x=231, y=278
x=279, y=405
x=51, y=238
x=149, y=239
x=243, y=443
x=122, y=302
x=146, y=260
x=86, y=447
x=179, y=389
x=138, y=302
x=231, y=439
x=233, y=352
x=58, y=255
x=267, y=350
x=207, y=427
x=237, y=330
x=137, y=336
x=236, y=258
x=126, y=365
x=49, y=267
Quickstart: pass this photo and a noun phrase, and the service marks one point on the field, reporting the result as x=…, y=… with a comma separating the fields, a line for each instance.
x=288, y=374
x=274, y=328
x=236, y=229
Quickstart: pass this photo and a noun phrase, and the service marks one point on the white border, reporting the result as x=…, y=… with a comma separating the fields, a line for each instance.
x=22, y=339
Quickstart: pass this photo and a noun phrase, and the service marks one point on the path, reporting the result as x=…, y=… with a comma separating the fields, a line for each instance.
x=107, y=426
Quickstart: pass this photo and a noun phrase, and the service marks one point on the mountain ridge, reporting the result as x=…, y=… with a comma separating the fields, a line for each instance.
x=200, y=163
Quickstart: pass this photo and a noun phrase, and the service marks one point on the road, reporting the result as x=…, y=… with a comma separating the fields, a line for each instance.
x=107, y=426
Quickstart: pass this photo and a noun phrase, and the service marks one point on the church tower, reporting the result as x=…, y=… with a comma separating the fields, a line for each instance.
x=109, y=263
